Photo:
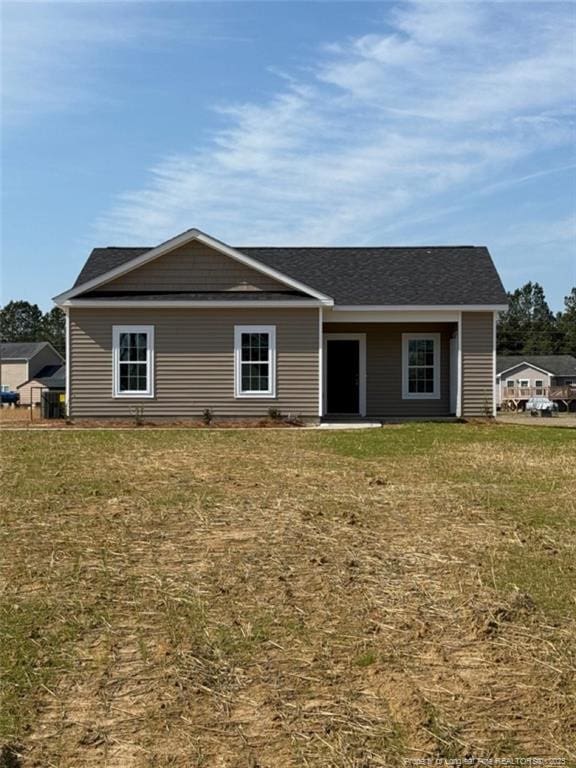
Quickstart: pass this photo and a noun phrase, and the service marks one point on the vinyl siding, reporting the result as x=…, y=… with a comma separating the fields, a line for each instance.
x=477, y=364
x=194, y=362
x=384, y=367
x=32, y=392
x=13, y=374
x=194, y=267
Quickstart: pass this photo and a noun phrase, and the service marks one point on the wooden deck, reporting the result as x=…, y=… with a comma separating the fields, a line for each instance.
x=514, y=397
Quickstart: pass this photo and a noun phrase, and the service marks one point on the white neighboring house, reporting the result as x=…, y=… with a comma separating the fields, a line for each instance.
x=520, y=377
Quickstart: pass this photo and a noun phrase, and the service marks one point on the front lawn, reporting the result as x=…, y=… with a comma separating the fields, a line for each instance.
x=284, y=599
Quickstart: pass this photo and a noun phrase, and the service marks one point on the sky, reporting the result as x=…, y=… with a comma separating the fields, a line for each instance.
x=288, y=123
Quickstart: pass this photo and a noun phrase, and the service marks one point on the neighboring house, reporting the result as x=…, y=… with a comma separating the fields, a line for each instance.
x=520, y=377
x=21, y=361
x=51, y=378
x=315, y=332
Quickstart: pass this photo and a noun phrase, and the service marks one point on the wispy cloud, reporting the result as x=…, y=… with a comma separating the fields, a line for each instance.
x=444, y=99
x=52, y=51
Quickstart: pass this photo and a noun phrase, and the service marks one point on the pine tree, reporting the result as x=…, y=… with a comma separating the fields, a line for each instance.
x=20, y=321
x=528, y=327
x=567, y=324
x=54, y=329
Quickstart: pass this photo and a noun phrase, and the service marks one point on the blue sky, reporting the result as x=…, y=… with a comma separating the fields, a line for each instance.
x=288, y=123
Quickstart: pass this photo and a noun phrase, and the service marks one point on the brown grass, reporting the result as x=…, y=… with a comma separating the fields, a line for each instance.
x=288, y=599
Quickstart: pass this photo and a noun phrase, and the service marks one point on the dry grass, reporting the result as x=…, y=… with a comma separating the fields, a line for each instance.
x=283, y=599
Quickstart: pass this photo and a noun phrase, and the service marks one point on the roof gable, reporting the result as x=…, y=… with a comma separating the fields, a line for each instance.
x=194, y=267
x=188, y=237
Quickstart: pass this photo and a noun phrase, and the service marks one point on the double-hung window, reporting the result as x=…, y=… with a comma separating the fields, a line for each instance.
x=510, y=384
x=133, y=360
x=255, y=360
x=539, y=386
x=420, y=366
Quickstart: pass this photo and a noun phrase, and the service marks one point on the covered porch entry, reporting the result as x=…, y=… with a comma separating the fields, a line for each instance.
x=389, y=368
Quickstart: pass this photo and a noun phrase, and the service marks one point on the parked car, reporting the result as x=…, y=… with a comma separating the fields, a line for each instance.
x=541, y=405
x=12, y=398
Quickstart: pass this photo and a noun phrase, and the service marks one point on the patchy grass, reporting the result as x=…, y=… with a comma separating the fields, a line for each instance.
x=279, y=599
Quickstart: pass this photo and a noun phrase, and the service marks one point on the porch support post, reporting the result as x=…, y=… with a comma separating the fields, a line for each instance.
x=494, y=319
x=67, y=361
x=320, y=362
x=459, y=388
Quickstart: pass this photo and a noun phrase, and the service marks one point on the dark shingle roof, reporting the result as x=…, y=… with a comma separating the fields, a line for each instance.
x=20, y=350
x=51, y=376
x=559, y=365
x=435, y=275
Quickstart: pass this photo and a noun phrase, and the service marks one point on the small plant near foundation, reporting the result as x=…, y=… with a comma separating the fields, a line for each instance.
x=207, y=416
x=138, y=414
x=274, y=414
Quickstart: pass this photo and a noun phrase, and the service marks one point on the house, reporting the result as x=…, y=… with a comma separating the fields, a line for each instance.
x=194, y=323
x=22, y=361
x=51, y=378
x=520, y=377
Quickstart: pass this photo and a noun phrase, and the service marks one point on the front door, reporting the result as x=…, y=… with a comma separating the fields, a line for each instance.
x=343, y=376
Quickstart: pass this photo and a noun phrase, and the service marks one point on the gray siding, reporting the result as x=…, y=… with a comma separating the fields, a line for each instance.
x=194, y=361
x=477, y=364
x=384, y=367
x=12, y=374
x=194, y=267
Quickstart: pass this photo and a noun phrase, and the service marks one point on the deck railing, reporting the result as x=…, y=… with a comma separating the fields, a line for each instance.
x=567, y=392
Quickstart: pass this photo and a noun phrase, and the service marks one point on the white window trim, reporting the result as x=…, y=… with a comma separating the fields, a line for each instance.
x=510, y=384
x=270, y=394
x=524, y=383
x=406, y=339
x=132, y=395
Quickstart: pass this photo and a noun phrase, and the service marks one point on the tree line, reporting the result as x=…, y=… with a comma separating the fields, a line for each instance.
x=22, y=321
x=528, y=327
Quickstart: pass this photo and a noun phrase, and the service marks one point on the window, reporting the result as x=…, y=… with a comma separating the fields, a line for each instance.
x=5, y=388
x=523, y=383
x=420, y=366
x=255, y=360
x=510, y=384
x=539, y=384
x=133, y=356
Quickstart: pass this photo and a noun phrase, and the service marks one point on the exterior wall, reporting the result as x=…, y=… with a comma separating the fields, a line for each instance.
x=46, y=356
x=12, y=374
x=194, y=362
x=384, y=367
x=194, y=267
x=478, y=374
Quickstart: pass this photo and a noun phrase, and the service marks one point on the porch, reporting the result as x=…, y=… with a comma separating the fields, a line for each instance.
x=384, y=371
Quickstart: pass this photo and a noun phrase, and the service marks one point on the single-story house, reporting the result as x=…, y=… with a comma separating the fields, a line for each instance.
x=520, y=377
x=317, y=333
x=21, y=361
x=51, y=378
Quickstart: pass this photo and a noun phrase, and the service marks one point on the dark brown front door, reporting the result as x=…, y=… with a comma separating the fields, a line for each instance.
x=343, y=376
